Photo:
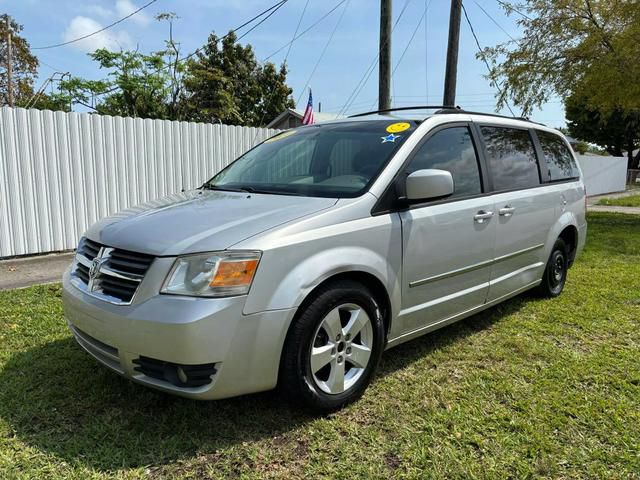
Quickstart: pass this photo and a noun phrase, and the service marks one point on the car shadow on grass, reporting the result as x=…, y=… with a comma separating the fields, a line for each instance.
x=59, y=400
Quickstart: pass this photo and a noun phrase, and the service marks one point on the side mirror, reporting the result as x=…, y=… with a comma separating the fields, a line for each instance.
x=429, y=184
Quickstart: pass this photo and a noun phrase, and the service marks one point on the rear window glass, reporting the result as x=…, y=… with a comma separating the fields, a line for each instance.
x=511, y=157
x=560, y=162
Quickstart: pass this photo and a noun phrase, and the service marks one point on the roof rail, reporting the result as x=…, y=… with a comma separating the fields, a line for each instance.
x=399, y=109
x=440, y=109
x=497, y=115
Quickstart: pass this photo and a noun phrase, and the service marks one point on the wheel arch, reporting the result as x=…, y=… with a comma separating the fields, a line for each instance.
x=570, y=236
x=370, y=281
x=566, y=227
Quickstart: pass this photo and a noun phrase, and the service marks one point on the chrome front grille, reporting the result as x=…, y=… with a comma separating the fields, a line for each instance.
x=109, y=273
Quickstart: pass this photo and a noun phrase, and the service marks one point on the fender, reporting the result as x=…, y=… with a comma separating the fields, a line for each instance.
x=568, y=218
x=291, y=290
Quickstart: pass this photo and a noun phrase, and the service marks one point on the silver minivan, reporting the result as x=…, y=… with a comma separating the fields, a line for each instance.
x=302, y=261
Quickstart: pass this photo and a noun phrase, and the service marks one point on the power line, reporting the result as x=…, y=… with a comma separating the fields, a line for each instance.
x=260, y=22
x=423, y=17
x=297, y=28
x=324, y=50
x=305, y=31
x=510, y=7
x=275, y=6
x=473, y=32
x=494, y=21
x=273, y=92
x=97, y=31
x=404, y=51
x=367, y=74
x=40, y=61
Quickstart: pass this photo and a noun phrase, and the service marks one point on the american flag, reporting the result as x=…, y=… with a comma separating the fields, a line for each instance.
x=308, y=118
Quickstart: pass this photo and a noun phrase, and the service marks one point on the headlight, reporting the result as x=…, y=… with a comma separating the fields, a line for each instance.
x=219, y=274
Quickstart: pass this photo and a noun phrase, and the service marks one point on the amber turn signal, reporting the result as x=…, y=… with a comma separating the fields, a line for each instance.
x=234, y=273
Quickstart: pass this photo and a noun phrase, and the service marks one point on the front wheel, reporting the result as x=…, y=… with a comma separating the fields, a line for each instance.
x=555, y=275
x=333, y=347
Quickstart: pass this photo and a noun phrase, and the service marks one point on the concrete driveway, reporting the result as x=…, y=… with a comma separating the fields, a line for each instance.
x=23, y=272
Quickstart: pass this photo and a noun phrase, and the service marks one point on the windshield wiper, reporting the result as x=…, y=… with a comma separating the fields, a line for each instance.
x=248, y=190
x=206, y=186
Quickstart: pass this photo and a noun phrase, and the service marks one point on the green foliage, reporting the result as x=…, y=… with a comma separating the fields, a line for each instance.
x=569, y=46
x=24, y=63
x=528, y=389
x=225, y=83
x=137, y=85
x=615, y=130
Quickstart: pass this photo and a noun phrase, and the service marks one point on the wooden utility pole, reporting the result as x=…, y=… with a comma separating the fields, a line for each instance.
x=384, y=78
x=451, y=73
x=9, y=59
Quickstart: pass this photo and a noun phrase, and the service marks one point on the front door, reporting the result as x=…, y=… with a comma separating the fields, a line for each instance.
x=447, y=245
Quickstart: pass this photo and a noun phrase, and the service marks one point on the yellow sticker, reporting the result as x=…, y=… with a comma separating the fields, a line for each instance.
x=280, y=136
x=398, y=127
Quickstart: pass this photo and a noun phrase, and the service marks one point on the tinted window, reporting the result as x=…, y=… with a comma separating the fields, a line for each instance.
x=560, y=161
x=511, y=158
x=331, y=160
x=452, y=150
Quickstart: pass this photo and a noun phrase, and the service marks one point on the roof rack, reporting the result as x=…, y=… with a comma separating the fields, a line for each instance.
x=440, y=110
x=497, y=115
x=399, y=109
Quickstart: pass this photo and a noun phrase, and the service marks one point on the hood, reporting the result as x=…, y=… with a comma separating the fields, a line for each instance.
x=200, y=221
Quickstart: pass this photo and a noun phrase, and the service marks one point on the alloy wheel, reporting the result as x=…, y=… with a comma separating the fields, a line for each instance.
x=341, y=348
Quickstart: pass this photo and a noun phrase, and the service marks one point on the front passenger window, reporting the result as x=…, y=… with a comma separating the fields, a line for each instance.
x=452, y=150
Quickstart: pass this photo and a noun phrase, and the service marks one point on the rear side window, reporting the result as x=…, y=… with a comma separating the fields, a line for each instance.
x=511, y=157
x=560, y=161
x=451, y=150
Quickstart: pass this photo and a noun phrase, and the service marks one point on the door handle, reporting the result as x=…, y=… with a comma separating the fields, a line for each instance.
x=482, y=215
x=507, y=211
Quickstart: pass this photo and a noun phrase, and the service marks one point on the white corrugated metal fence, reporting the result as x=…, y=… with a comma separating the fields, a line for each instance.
x=61, y=172
x=603, y=174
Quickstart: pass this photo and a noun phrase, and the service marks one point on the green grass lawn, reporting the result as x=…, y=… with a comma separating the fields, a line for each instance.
x=630, y=201
x=532, y=388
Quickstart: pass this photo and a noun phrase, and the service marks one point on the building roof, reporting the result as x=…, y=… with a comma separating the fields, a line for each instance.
x=319, y=116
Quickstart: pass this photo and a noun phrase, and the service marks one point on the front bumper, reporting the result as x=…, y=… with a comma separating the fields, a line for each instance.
x=185, y=331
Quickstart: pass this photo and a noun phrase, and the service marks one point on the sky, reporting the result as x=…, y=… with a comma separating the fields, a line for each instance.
x=418, y=78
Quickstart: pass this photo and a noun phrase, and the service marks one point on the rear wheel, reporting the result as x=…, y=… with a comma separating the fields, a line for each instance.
x=555, y=275
x=333, y=348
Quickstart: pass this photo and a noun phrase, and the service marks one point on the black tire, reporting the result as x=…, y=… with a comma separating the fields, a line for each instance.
x=297, y=382
x=555, y=274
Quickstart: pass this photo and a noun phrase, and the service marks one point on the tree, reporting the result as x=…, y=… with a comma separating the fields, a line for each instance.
x=24, y=64
x=568, y=46
x=137, y=85
x=225, y=83
x=615, y=131
x=175, y=68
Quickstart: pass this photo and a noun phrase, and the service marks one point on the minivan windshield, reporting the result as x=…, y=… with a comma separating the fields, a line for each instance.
x=337, y=160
